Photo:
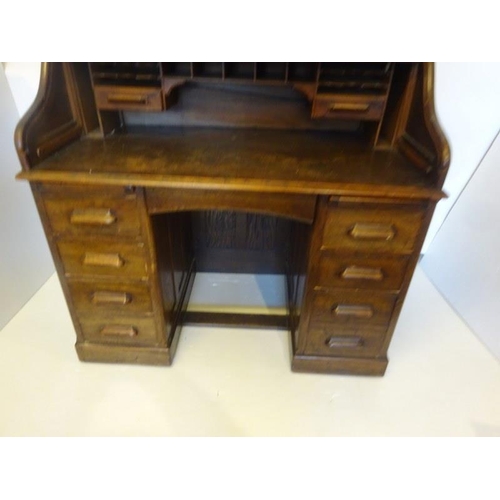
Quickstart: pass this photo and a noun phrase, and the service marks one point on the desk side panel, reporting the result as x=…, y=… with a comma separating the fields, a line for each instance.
x=63, y=110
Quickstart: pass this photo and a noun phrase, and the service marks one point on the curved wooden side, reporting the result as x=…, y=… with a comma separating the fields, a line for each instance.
x=423, y=141
x=437, y=135
x=53, y=120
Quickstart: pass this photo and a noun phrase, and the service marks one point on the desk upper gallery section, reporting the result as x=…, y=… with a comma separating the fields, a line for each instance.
x=323, y=128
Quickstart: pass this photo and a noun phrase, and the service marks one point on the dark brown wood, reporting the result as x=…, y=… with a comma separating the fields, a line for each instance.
x=83, y=95
x=78, y=210
x=349, y=107
x=362, y=273
x=181, y=308
x=236, y=319
x=109, y=328
x=352, y=307
x=353, y=311
x=103, y=258
x=260, y=104
x=53, y=119
x=128, y=98
x=240, y=242
x=240, y=160
x=92, y=216
x=52, y=242
x=326, y=173
x=111, y=353
x=423, y=140
x=367, y=272
x=299, y=207
x=161, y=311
x=119, y=331
x=398, y=103
x=119, y=298
x=383, y=229
x=352, y=342
x=342, y=365
x=297, y=265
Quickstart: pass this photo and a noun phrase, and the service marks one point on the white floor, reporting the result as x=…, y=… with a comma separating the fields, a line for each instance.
x=235, y=382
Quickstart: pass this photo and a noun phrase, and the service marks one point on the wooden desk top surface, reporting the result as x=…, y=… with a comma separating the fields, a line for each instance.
x=237, y=159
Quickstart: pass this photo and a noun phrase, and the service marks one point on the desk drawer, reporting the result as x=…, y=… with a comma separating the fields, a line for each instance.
x=352, y=307
x=348, y=107
x=116, y=298
x=119, y=329
x=377, y=229
x=374, y=273
x=332, y=340
x=98, y=258
x=128, y=98
x=79, y=210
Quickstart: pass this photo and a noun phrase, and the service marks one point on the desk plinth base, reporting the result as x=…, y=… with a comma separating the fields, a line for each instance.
x=160, y=356
x=346, y=366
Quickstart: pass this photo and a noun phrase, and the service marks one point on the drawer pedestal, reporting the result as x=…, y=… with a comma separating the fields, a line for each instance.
x=361, y=260
x=104, y=249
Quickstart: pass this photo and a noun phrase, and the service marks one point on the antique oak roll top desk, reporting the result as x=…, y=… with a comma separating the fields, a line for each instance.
x=324, y=173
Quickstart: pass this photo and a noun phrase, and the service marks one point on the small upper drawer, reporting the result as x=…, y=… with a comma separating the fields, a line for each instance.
x=102, y=258
x=128, y=98
x=352, y=307
x=348, y=107
x=375, y=229
x=79, y=210
x=375, y=273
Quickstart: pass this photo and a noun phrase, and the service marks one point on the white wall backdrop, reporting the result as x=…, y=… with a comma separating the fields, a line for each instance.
x=463, y=259
x=23, y=78
x=468, y=107
x=25, y=262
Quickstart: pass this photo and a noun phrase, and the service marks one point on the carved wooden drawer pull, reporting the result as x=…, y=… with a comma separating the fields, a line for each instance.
x=119, y=331
x=103, y=259
x=92, y=216
x=343, y=342
x=350, y=106
x=127, y=99
x=362, y=273
x=115, y=298
x=357, y=311
x=372, y=231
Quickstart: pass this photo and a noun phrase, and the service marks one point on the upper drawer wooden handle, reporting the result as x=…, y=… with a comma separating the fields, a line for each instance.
x=103, y=259
x=350, y=106
x=116, y=298
x=119, y=331
x=372, y=231
x=93, y=216
x=362, y=273
x=127, y=99
x=355, y=310
x=349, y=342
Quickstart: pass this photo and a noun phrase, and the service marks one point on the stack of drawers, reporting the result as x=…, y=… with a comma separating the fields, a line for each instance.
x=363, y=263
x=105, y=259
